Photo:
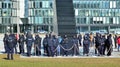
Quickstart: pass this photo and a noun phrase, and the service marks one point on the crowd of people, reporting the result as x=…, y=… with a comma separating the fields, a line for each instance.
x=59, y=46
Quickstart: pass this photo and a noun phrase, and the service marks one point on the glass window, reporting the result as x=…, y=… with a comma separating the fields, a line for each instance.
x=112, y=4
x=40, y=3
x=51, y=4
x=76, y=12
x=111, y=20
x=0, y=5
x=117, y=4
x=40, y=20
x=45, y=4
x=81, y=12
x=0, y=19
x=0, y=12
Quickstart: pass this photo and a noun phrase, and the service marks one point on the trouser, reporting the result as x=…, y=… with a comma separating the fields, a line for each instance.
x=37, y=50
x=96, y=49
x=85, y=49
x=29, y=50
x=21, y=48
x=64, y=51
x=102, y=50
x=118, y=46
x=15, y=49
x=46, y=50
x=109, y=50
x=50, y=51
x=5, y=47
x=10, y=56
x=76, y=50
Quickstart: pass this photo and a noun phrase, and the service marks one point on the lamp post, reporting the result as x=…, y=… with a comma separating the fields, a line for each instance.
x=18, y=28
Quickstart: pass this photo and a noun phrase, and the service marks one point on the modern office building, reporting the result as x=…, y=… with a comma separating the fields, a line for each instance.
x=97, y=15
x=8, y=16
x=90, y=15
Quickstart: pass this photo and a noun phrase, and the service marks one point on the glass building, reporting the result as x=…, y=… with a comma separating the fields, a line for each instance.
x=97, y=15
x=8, y=15
x=90, y=15
x=40, y=15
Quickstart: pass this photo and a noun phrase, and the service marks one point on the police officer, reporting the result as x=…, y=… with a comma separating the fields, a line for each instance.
x=64, y=43
x=101, y=46
x=21, y=43
x=45, y=45
x=86, y=44
x=80, y=39
x=50, y=46
x=37, y=45
x=29, y=43
x=109, y=45
x=97, y=43
x=5, y=42
x=10, y=47
x=55, y=44
x=75, y=42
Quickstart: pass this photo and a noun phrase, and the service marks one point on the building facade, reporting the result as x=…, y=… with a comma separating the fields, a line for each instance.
x=90, y=15
x=8, y=15
x=97, y=15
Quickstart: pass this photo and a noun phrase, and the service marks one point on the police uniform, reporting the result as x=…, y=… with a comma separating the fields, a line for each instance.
x=64, y=43
x=97, y=43
x=10, y=47
x=50, y=46
x=29, y=42
x=45, y=45
x=80, y=38
x=109, y=45
x=76, y=46
x=55, y=44
x=86, y=44
x=21, y=44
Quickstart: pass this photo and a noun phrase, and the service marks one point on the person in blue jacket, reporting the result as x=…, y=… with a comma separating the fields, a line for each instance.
x=86, y=44
x=10, y=47
x=29, y=43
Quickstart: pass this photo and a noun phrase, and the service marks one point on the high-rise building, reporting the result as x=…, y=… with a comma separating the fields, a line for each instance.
x=35, y=15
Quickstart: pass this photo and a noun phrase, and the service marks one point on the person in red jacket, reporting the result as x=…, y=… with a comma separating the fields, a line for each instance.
x=118, y=41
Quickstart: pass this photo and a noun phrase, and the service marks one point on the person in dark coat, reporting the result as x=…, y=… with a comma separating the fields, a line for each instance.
x=5, y=42
x=64, y=43
x=115, y=41
x=97, y=43
x=10, y=47
x=37, y=45
x=15, y=43
x=50, y=46
x=21, y=44
x=109, y=45
x=29, y=43
x=86, y=44
x=55, y=44
x=80, y=39
x=102, y=44
x=45, y=45
x=75, y=42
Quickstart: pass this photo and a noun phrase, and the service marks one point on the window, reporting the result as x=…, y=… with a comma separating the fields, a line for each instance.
x=111, y=20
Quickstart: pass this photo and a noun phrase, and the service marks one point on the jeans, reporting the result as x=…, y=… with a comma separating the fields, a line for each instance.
x=118, y=46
